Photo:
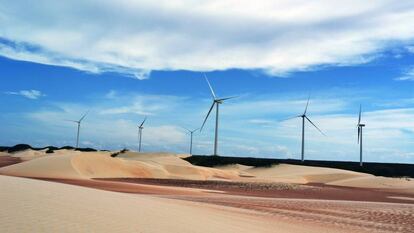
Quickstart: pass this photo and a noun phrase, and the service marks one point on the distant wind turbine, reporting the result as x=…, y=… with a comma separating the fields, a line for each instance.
x=79, y=124
x=360, y=126
x=217, y=102
x=140, y=128
x=304, y=116
x=191, y=138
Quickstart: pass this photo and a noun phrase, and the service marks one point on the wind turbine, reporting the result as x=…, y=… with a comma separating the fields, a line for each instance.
x=191, y=138
x=140, y=128
x=217, y=102
x=304, y=116
x=360, y=126
x=79, y=123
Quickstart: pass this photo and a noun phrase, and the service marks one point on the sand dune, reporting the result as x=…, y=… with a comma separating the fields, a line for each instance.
x=69, y=164
x=240, y=169
x=330, y=176
x=84, y=165
x=31, y=154
x=4, y=154
x=403, y=185
x=57, y=166
x=302, y=174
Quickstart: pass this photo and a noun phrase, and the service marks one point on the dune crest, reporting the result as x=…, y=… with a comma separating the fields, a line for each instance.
x=70, y=164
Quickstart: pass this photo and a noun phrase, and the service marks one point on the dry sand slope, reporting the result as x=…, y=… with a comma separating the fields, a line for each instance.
x=38, y=206
x=67, y=164
x=330, y=176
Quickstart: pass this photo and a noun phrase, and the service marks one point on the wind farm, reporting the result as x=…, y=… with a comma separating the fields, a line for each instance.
x=207, y=116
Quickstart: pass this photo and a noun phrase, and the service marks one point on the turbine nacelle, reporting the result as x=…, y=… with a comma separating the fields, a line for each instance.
x=218, y=101
x=215, y=101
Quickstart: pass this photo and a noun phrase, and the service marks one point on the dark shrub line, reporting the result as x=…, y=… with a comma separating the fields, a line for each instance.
x=378, y=169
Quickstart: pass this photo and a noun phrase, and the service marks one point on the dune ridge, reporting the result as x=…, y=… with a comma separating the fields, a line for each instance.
x=70, y=164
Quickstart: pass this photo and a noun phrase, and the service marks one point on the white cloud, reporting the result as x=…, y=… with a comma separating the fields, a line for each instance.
x=408, y=75
x=30, y=94
x=263, y=122
x=139, y=104
x=410, y=48
x=135, y=37
x=270, y=106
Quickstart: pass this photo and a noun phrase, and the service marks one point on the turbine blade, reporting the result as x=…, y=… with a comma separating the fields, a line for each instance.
x=227, y=98
x=359, y=132
x=143, y=122
x=211, y=89
x=359, y=118
x=290, y=118
x=71, y=121
x=194, y=130
x=307, y=104
x=209, y=111
x=186, y=129
x=315, y=126
x=84, y=116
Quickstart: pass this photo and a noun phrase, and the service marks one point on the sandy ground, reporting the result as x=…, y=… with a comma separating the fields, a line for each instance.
x=40, y=206
x=160, y=192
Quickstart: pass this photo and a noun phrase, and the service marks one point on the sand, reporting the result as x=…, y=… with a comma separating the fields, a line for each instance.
x=68, y=164
x=302, y=174
x=30, y=154
x=40, y=206
x=160, y=192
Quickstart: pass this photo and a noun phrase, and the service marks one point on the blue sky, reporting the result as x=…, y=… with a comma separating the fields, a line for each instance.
x=59, y=60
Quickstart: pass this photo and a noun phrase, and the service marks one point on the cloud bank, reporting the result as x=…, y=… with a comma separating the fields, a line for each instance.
x=408, y=75
x=30, y=94
x=135, y=37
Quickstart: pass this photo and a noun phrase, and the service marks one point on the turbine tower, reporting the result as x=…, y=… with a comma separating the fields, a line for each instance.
x=79, y=124
x=191, y=138
x=140, y=128
x=304, y=116
x=360, y=126
x=216, y=102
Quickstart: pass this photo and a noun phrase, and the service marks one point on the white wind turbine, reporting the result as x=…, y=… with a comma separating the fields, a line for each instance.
x=304, y=116
x=360, y=126
x=216, y=102
x=79, y=124
x=140, y=128
x=191, y=132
